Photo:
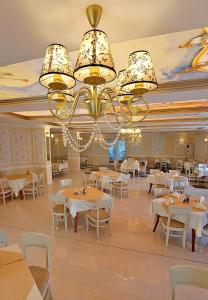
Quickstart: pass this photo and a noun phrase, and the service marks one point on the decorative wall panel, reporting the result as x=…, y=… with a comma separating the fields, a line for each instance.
x=5, y=148
x=158, y=144
x=38, y=137
x=21, y=145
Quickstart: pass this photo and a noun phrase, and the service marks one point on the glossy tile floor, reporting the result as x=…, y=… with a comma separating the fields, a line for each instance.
x=131, y=264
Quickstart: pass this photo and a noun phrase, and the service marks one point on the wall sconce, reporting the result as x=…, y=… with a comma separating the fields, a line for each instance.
x=49, y=135
x=181, y=140
x=206, y=140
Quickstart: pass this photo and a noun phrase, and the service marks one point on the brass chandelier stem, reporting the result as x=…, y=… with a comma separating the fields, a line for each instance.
x=94, y=13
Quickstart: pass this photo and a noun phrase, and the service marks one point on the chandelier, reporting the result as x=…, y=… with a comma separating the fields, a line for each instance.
x=131, y=134
x=120, y=105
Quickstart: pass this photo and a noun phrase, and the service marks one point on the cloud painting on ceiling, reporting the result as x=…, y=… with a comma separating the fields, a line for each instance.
x=176, y=56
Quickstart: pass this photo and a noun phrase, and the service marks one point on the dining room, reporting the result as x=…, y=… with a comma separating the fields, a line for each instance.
x=103, y=150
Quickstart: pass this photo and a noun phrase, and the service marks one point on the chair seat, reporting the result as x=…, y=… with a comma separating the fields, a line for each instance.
x=173, y=223
x=6, y=191
x=119, y=185
x=59, y=209
x=103, y=214
x=40, y=276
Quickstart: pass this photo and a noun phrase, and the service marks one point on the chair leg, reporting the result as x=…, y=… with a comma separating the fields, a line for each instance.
x=167, y=238
x=98, y=230
x=87, y=223
x=65, y=222
x=4, y=199
x=184, y=240
x=53, y=221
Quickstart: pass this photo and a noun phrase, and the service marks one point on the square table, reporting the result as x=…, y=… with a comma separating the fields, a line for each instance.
x=198, y=218
x=77, y=201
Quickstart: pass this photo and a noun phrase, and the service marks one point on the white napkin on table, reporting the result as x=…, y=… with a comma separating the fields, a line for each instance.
x=200, y=205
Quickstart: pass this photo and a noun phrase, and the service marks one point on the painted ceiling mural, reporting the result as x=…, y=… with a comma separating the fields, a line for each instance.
x=176, y=56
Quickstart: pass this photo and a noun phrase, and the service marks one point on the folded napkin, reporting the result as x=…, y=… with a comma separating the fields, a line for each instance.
x=200, y=205
x=9, y=257
x=201, y=199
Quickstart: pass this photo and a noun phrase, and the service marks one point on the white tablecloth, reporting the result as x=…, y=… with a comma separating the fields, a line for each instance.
x=34, y=293
x=76, y=206
x=17, y=185
x=164, y=180
x=202, y=172
x=197, y=219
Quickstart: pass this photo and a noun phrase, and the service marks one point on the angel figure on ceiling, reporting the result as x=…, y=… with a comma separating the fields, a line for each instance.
x=200, y=61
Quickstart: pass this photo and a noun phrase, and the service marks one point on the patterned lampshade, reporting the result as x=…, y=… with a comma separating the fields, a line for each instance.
x=57, y=95
x=122, y=96
x=140, y=75
x=95, y=64
x=57, y=73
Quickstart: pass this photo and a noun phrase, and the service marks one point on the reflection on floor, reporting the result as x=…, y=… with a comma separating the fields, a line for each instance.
x=131, y=264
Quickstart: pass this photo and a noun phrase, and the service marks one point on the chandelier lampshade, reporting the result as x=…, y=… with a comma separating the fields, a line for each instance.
x=57, y=73
x=122, y=96
x=58, y=95
x=95, y=64
x=140, y=75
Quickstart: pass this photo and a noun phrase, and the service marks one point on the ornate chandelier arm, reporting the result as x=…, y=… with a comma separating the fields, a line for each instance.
x=134, y=111
x=108, y=91
x=82, y=91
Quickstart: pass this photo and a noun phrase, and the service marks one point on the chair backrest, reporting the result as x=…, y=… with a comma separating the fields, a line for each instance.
x=188, y=275
x=40, y=240
x=3, y=238
x=105, y=179
x=174, y=172
x=66, y=182
x=123, y=178
x=174, y=211
x=191, y=191
x=180, y=181
x=57, y=198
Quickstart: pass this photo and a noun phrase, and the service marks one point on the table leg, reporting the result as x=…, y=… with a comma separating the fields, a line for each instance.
x=150, y=187
x=193, y=239
x=21, y=194
x=76, y=219
x=157, y=217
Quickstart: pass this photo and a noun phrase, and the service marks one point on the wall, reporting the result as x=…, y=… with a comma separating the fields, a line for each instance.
x=201, y=149
x=161, y=145
x=22, y=148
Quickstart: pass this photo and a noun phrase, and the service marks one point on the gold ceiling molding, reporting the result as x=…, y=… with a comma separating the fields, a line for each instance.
x=23, y=101
x=181, y=85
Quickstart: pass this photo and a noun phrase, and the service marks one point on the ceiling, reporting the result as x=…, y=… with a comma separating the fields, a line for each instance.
x=28, y=26
x=163, y=27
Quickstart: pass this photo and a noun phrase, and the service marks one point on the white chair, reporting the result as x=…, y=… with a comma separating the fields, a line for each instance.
x=55, y=172
x=100, y=216
x=40, y=274
x=5, y=191
x=40, y=183
x=160, y=191
x=179, y=184
x=179, y=165
x=88, y=181
x=106, y=184
x=31, y=189
x=65, y=183
x=188, y=275
x=121, y=184
x=3, y=238
x=174, y=172
x=191, y=191
x=174, y=228
x=58, y=207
